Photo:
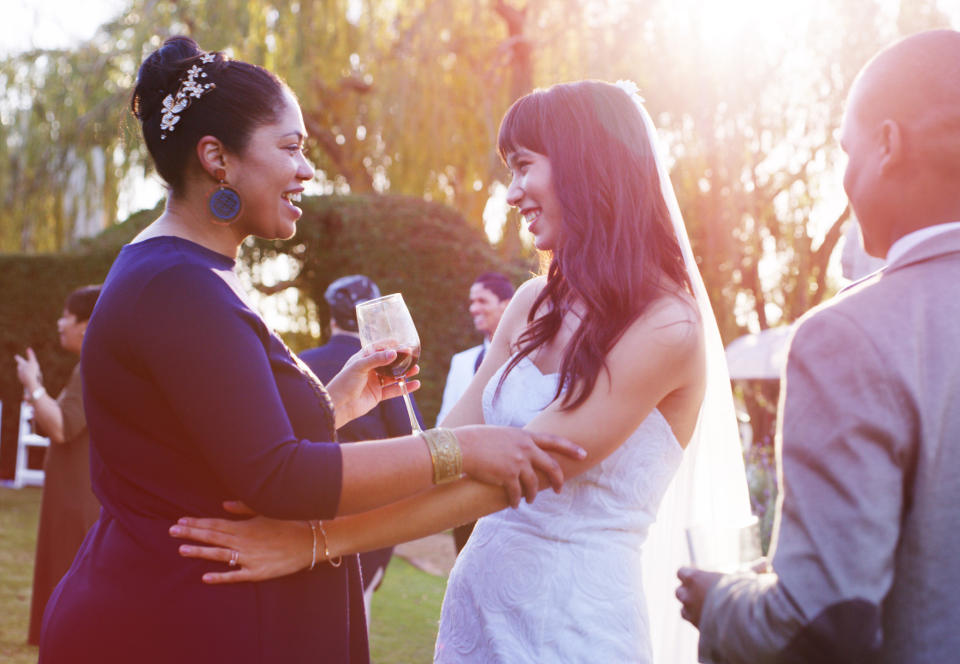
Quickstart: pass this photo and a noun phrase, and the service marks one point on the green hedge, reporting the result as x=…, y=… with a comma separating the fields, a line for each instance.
x=34, y=289
x=425, y=250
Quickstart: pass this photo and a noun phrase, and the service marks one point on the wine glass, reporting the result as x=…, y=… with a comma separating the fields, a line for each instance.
x=385, y=324
x=725, y=547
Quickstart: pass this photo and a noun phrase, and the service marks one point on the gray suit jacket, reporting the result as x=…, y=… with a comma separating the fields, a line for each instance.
x=867, y=538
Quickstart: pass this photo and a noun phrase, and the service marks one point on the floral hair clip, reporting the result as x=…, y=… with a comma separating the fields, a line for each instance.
x=632, y=91
x=191, y=88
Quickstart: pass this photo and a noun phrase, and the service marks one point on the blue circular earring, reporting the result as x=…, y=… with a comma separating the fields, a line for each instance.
x=225, y=202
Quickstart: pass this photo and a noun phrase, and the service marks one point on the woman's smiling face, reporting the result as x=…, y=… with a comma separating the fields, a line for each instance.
x=271, y=173
x=531, y=190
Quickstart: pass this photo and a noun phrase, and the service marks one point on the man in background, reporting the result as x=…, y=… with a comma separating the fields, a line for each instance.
x=387, y=420
x=489, y=296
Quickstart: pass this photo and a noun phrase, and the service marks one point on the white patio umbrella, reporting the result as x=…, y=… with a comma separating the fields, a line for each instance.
x=759, y=356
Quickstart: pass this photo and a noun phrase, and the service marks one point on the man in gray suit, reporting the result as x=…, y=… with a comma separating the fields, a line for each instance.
x=866, y=562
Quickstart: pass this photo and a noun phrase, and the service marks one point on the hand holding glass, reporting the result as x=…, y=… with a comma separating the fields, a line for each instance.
x=386, y=324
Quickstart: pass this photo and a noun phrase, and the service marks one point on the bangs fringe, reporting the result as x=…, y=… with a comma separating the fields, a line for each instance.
x=521, y=126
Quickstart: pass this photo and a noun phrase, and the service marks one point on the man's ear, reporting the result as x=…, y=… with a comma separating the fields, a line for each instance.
x=891, y=146
x=212, y=155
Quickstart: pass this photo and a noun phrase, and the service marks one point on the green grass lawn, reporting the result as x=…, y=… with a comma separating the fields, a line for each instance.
x=405, y=609
x=18, y=539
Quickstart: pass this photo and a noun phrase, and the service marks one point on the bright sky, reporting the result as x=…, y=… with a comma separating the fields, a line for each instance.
x=51, y=23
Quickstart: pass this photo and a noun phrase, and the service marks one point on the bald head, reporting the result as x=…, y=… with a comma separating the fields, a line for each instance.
x=901, y=133
x=916, y=83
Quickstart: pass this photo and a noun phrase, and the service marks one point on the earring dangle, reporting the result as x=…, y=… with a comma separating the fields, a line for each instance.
x=225, y=202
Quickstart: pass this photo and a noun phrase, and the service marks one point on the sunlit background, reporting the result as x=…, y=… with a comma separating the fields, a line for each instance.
x=748, y=95
x=404, y=97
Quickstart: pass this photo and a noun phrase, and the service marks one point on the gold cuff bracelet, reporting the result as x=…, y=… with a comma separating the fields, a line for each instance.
x=444, y=453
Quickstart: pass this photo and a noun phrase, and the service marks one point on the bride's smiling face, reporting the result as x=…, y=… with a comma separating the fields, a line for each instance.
x=531, y=190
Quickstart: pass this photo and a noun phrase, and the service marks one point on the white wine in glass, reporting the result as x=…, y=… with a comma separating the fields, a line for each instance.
x=385, y=324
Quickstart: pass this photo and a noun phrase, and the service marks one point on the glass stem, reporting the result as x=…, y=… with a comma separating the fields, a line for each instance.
x=414, y=425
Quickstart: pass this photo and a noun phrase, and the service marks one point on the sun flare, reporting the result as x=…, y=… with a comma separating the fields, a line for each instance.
x=728, y=24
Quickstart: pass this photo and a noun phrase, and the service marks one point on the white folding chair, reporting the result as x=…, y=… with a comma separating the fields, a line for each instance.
x=27, y=437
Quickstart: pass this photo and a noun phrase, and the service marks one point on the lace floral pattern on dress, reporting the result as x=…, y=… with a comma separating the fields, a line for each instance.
x=560, y=580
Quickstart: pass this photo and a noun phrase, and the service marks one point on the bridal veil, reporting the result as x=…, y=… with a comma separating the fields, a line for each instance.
x=710, y=485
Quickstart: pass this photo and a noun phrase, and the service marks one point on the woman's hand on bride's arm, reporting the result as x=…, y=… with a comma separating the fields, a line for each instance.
x=512, y=458
x=265, y=548
x=357, y=388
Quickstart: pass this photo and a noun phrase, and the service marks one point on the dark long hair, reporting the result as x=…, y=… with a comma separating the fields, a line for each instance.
x=616, y=250
x=81, y=301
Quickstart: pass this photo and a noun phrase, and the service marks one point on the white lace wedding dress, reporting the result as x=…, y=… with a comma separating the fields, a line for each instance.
x=560, y=580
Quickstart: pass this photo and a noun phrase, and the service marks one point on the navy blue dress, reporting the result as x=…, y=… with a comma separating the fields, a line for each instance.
x=388, y=420
x=192, y=400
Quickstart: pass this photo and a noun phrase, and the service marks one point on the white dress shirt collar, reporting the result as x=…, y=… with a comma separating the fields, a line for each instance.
x=910, y=240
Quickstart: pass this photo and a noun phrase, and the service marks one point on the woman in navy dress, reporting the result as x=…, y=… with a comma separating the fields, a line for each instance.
x=192, y=400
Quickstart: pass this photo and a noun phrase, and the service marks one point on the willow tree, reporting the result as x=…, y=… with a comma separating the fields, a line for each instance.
x=397, y=96
x=60, y=145
x=405, y=97
x=749, y=107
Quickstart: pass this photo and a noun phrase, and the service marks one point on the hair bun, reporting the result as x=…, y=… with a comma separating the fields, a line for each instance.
x=245, y=97
x=160, y=74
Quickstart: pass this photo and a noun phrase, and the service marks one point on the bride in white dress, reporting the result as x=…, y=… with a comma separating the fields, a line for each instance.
x=564, y=579
x=616, y=348
x=559, y=580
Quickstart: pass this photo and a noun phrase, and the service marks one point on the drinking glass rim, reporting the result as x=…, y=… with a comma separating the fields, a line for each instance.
x=377, y=300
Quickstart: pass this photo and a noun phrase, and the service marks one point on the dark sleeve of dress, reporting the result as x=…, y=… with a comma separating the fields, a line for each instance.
x=70, y=401
x=208, y=354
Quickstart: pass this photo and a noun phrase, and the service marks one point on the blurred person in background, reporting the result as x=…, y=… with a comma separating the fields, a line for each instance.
x=490, y=294
x=69, y=507
x=387, y=420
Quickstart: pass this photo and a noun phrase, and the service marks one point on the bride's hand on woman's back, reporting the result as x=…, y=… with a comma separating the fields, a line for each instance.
x=263, y=548
x=260, y=548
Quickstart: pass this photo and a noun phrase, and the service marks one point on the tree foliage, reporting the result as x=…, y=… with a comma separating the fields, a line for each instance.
x=405, y=97
x=425, y=250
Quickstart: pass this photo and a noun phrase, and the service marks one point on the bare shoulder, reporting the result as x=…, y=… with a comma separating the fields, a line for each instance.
x=528, y=291
x=662, y=353
x=665, y=344
x=515, y=317
x=672, y=321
